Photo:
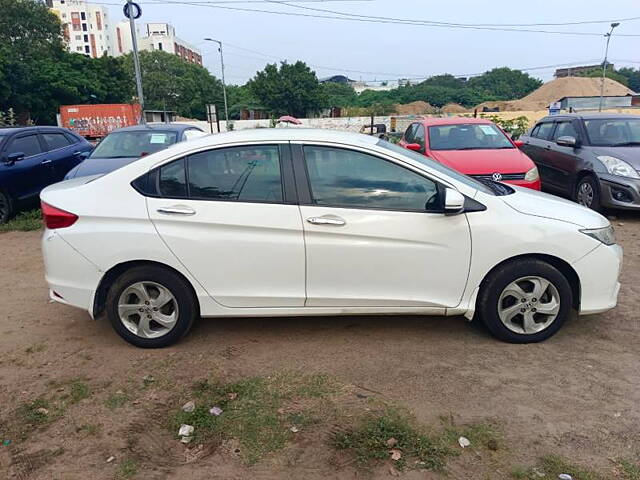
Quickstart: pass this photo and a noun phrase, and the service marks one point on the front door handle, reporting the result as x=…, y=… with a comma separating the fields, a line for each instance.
x=46, y=162
x=177, y=210
x=327, y=220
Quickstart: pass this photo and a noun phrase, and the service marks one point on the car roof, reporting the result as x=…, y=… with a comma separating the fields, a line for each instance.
x=589, y=116
x=164, y=127
x=6, y=130
x=429, y=121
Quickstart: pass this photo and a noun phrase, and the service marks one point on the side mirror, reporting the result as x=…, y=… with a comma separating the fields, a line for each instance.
x=416, y=147
x=15, y=157
x=567, y=141
x=453, y=201
x=84, y=155
x=519, y=143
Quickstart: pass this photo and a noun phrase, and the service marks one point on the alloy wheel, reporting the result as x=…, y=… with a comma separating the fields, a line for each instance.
x=148, y=309
x=585, y=194
x=528, y=305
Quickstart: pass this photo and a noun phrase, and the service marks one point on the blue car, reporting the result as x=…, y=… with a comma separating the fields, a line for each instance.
x=32, y=158
x=128, y=144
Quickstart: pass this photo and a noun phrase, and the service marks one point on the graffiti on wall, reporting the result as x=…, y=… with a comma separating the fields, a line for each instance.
x=97, y=126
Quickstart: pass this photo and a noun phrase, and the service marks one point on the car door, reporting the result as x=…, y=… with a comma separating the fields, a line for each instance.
x=537, y=146
x=30, y=174
x=561, y=161
x=62, y=153
x=375, y=233
x=231, y=217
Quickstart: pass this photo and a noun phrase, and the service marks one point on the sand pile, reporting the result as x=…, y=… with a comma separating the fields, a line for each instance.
x=414, y=108
x=556, y=89
x=454, y=108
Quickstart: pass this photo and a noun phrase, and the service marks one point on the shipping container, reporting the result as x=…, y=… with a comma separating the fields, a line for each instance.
x=97, y=121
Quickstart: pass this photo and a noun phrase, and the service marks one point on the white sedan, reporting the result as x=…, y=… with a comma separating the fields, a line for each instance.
x=302, y=222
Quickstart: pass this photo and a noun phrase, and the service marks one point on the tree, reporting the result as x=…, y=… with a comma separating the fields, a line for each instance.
x=171, y=83
x=597, y=73
x=338, y=94
x=291, y=89
x=504, y=83
x=632, y=76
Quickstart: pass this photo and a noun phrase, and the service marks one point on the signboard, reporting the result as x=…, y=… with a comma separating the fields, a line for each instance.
x=132, y=10
x=212, y=117
x=554, y=108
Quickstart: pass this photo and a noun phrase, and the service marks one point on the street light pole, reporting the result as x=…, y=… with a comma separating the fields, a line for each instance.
x=224, y=86
x=136, y=59
x=604, y=65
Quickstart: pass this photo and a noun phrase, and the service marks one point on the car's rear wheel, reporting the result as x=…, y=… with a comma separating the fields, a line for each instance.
x=151, y=306
x=6, y=207
x=588, y=193
x=525, y=301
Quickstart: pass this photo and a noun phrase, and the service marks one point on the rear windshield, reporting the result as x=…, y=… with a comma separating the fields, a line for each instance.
x=613, y=132
x=468, y=136
x=133, y=144
x=471, y=182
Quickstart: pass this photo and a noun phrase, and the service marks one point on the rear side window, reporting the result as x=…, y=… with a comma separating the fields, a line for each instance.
x=244, y=174
x=29, y=145
x=55, y=140
x=543, y=130
x=172, y=180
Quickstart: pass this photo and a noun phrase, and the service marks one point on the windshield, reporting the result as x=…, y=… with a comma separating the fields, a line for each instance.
x=468, y=136
x=133, y=144
x=471, y=182
x=613, y=132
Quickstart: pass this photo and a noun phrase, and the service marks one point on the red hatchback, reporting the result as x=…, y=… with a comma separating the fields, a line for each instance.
x=473, y=146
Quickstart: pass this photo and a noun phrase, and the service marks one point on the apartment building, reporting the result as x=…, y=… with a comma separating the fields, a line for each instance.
x=86, y=27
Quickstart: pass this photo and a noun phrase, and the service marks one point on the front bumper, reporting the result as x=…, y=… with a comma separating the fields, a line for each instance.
x=535, y=185
x=619, y=192
x=599, y=272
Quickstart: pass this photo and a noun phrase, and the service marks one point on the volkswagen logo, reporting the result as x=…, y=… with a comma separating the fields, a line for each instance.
x=496, y=177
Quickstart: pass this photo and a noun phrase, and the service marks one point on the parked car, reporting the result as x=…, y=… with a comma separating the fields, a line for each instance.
x=474, y=146
x=276, y=222
x=126, y=145
x=32, y=158
x=593, y=159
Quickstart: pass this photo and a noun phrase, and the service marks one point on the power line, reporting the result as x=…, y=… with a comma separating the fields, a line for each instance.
x=382, y=20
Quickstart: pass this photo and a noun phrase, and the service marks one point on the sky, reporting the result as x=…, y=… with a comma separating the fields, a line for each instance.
x=385, y=51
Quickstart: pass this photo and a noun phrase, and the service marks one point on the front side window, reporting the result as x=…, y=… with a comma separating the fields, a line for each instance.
x=408, y=135
x=565, y=129
x=613, y=132
x=543, y=131
x=244, y=174
x=469, y=136
x=55, y=140
x=351, y=179
x=133, y=144
x=29, y=145
x=419, y=136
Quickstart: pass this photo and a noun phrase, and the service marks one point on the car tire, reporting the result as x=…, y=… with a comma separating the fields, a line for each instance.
x=138, y=312
x=588, y=193
x=538, y=314
x=6, y=207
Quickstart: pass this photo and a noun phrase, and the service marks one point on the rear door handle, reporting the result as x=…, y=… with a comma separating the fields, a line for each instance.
x=177, y=210
x=46, y=162
x=327, y=220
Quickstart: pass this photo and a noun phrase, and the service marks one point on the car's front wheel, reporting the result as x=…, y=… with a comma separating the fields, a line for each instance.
x=525, y=301
x=6, y=207
x=151, y=307
x=588, y=193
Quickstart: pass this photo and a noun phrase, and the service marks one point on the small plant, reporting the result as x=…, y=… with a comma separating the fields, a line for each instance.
x=36, y=412
x=116, y=400
x=78, y=391
x=24, y=222
x=128, y=468
x=37, y=347
x=88, y=429
x=551, y=466
x=628, y=470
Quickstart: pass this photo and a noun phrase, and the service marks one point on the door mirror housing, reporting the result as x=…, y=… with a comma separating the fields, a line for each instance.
x=453, y=202
x=14, y=157
x=567, y=141
x=518, y=143
x=84, y=155
x=416, y=147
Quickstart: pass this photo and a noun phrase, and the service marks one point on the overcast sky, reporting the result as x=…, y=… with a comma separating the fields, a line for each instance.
x=371, y=51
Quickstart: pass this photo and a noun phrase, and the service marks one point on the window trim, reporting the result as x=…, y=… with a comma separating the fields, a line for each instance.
x=303, y=180
x=289, y=194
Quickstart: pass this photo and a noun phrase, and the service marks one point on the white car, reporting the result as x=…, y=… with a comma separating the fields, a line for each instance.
x=277, y=222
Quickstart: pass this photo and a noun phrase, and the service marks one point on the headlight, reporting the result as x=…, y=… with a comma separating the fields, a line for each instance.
x=605, y=235
x=615, y=166
x=532, y=175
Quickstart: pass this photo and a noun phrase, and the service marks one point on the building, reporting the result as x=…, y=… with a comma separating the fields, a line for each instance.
x=576, y=71
x=86, y=27
x=157, y=36
x=593, y=103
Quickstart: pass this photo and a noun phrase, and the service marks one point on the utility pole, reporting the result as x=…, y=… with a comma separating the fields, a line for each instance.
x=224, y=86
x=136, y=59
x=604, y=64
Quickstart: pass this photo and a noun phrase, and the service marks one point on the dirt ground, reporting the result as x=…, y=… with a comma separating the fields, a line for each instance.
x=575, y=395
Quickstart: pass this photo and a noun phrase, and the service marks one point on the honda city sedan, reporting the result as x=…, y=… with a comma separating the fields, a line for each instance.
x=297, y=222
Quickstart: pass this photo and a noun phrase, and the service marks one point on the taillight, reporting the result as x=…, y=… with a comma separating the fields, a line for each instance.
x=55, y=218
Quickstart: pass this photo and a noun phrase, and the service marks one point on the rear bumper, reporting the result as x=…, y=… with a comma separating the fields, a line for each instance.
x=72, y=279
x=619, y=192
x=599, y=272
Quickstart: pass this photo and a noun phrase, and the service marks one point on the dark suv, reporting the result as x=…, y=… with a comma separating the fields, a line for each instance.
x=592, y=158
x=32, y=158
